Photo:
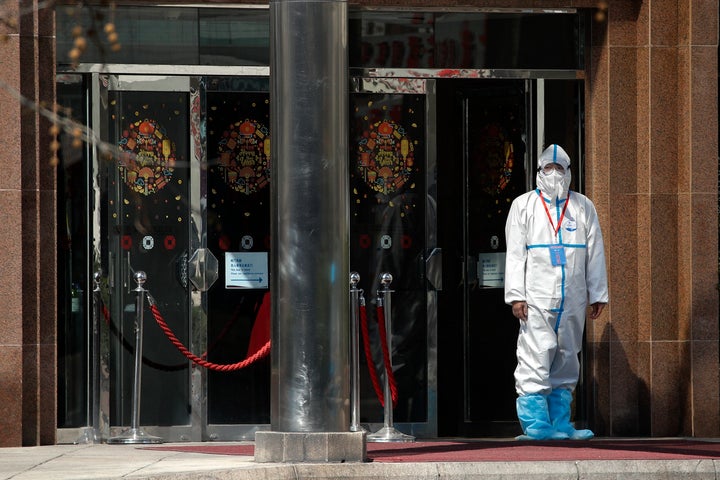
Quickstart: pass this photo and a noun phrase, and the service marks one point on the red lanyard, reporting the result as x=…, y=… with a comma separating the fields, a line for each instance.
x=562, y=215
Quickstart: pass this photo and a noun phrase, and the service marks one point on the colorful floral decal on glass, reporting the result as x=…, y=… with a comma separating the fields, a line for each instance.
x=493, y=159
x=148, y=157
x=244, y=156
x=385, y=156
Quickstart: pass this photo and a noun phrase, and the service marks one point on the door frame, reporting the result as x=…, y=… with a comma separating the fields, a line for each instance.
x=363, y=81
x=452, y=423
x=394, y=79
x=101, y=85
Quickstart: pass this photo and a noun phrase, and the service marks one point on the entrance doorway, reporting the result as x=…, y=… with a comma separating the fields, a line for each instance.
x=186, y=200
x=488, y=139
x=434, y=166
x=488, y=127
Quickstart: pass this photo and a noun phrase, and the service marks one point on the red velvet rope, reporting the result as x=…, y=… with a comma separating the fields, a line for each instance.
x=368, y=356
x=386, y=355
x=264, y=350
x=226, y=328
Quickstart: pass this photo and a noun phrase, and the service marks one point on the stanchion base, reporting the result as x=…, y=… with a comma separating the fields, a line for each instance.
x=134, y=435
x=89, y=435
x=358, y=428
x=389, y=434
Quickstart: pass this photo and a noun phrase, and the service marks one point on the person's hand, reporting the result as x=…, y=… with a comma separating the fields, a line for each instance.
x=596, y=309
x=520, y=310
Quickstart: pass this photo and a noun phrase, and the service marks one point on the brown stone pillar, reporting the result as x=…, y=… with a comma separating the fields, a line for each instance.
x=27, y=245
x=697, y=32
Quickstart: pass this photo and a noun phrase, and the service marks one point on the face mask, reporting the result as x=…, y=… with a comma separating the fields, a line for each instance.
x=553, y=184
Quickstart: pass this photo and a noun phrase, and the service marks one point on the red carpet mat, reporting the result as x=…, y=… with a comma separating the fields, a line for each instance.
x=507, y=451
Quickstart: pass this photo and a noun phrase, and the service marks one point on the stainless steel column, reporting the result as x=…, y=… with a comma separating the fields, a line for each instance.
x=310, y=225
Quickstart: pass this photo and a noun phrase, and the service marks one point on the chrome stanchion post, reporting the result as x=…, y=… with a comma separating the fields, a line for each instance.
x=355, y=354
x=388, y=433
x=135, y=434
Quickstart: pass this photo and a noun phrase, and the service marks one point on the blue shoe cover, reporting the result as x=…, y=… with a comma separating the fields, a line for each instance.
x=559, y=402
x=584, y=434
x=534, y=418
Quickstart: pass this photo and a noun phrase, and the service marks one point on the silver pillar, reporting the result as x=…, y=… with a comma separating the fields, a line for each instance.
x=310, y=225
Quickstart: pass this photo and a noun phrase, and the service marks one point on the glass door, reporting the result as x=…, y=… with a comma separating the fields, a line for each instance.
x=494, y=130
x=183, y=173
x=486, y=131
x=147, y=224
x=237, y=209
x=392, y=230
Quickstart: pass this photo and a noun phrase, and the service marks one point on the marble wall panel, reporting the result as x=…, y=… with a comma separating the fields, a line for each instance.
x=704, y=123
x=685, y=274
x=644, y=374
x=596, y=128
x=47, y=270
x=662, y=122
x=684, y=115
x=622, y=120
x=664, y=266
x=643, y=171
x=705, y=378
x=623, y=268
x=703, y=243
x=9, y=124
x=643, y=275
x=626, y=388
x=669, y=387
x=11, y=397
x=47, y=172
x=704, y=22
x=30, y=262
x=626, y=23
x=598, y=383
x=663, y=22
x=11, y=268
x=30, y=393
x=47, y=403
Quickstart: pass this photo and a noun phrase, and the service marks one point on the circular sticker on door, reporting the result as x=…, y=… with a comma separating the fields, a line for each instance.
x=147, y=158
x=148, y=242
x=246, y=242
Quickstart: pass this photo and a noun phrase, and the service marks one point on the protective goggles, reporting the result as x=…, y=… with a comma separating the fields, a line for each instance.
x=548, y=168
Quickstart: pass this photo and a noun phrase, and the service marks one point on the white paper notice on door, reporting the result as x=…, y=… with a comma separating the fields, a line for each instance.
x=246, y=270
x=491, y=269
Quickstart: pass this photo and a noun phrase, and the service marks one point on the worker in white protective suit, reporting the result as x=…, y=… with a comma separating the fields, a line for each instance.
x=555, y=267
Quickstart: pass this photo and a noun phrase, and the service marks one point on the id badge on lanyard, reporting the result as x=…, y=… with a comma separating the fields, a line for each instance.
x=557, y=252
x=557, y=255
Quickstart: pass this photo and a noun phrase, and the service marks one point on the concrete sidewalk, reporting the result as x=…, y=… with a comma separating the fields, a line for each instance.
x=101, y=461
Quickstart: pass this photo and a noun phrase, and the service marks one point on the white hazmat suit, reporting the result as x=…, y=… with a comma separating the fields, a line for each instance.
x=555, y=263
